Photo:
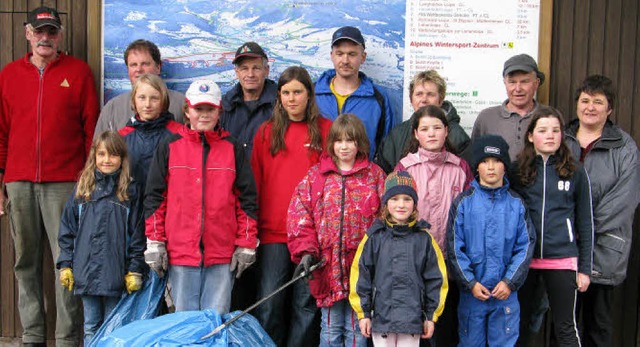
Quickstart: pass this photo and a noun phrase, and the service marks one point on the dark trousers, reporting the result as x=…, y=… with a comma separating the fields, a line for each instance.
x=291, y=318
x=561, y=289
x=596, y=304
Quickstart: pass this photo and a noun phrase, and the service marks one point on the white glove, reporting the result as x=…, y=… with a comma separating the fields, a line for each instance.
x=156, y=257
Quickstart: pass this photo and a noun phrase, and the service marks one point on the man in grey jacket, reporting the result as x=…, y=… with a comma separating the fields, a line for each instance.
x=141, y=57
x=510, y=120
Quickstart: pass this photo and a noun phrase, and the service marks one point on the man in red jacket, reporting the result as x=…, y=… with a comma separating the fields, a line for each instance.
x=48, y=112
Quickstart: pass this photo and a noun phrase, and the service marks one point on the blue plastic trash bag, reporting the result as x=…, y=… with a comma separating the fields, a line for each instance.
x=141, y=304
x=246, y=331
x=187, y=329
x=171, y=330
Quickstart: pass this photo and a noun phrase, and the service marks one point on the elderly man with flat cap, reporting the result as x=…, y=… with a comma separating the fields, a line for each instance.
x=510, y=120
x=250, y=102
x=48, y=113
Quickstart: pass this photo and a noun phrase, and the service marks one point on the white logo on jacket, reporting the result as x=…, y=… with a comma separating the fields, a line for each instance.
x=564, y=185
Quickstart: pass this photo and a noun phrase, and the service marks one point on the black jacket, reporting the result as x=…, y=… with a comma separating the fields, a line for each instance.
x=392, y=148
x=398, y=278
x=238, y=120
x=561, y=213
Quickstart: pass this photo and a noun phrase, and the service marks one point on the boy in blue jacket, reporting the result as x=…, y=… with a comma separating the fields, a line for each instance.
x=491, y=240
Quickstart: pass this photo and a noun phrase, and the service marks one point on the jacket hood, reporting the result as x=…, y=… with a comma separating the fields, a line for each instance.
x=235, y=96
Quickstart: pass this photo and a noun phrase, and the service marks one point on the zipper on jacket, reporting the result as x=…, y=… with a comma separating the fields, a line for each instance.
x=341, y=242
x=544, y=200
x=39, y=122
x=205, y=154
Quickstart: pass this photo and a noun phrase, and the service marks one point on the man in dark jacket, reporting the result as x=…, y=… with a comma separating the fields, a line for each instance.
x=245, y=107
x=426, y=88
x=250, y=102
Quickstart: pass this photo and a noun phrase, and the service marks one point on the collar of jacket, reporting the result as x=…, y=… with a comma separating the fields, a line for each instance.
x=105, y=183
x=327, y=165
x=234, y=96
x=324, y=82
x=492, y=191
x=424, y=156
x=610, y=138
x=159, y=122
x=211, y=135
x=405, y=229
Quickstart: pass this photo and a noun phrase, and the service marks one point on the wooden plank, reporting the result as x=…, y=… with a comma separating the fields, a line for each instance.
x=612, y=40
x=8, y=294
x=6, y=39
x=628, y=50
x=79, y=25
x=597, y=19
x=66, y=18
x=94, y=44
x=20, y=43
x=635, y=123
x=21, y=6
x=544, y=47
x=562, y=57
x=6, y=6
x=580, y=49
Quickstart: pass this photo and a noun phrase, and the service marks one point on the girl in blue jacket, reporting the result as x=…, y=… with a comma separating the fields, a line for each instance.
x=101, y=234
x=398, y=276
x=558, y=194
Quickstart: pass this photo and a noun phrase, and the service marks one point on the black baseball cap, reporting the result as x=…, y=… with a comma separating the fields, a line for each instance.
x=42, y=16
x=348, y=33
x=249, y=49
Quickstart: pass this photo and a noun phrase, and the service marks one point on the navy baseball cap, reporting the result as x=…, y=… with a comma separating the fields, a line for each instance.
x=348, y=33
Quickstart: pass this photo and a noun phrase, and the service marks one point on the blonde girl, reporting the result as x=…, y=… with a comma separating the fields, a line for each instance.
x=101, y=234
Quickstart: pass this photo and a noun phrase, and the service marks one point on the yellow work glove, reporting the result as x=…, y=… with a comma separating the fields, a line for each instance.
x=133, y=281
x=66, y=278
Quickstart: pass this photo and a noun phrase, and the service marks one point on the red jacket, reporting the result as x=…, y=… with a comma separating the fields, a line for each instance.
x=46, y=123
x=277, y=176
x=328, y=216
x=200, y=198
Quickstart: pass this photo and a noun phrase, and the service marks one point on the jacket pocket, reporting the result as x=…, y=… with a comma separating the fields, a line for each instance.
x=609, y=255
x=320, y=286
x=570, y=230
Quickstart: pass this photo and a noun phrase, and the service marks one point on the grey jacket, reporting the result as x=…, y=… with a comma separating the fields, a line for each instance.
x=612, y=165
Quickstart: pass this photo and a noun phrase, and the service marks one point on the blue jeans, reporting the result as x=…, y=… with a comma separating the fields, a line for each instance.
x=96, y=310
x=291, y=318
x=339, y=327
x=195, y=288
x=488, y=323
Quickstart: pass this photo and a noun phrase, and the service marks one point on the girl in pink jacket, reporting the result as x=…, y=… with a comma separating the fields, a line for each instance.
x=329, y=213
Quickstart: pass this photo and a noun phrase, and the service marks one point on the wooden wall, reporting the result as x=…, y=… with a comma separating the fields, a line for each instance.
x=586, y=37
x=603, y=37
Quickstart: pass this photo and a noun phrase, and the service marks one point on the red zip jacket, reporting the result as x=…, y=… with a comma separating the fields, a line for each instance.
x=200, y=198
x=46, y=122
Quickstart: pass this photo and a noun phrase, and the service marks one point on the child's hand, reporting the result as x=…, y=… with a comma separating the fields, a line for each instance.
x=427, y=329
x=365, y=327
x=501, y=291
x=66, y=278
x=583, y=282
x=133, y=281
x=480, y=292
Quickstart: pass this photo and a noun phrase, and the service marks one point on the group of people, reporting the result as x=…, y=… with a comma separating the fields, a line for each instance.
x=417, y=229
